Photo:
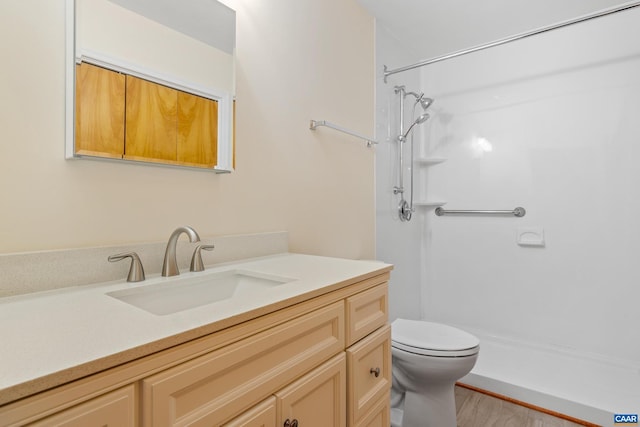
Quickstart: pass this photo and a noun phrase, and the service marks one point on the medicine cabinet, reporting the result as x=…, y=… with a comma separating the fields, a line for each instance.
x=151, y=82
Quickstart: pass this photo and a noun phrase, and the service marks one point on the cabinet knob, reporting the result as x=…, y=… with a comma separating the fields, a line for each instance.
x=375, y=372
x=289, y=423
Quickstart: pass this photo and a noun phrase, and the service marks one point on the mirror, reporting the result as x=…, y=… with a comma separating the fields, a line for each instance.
x=152, y=80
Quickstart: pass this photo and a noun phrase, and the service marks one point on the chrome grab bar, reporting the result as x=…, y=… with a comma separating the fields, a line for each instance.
x=519, y=212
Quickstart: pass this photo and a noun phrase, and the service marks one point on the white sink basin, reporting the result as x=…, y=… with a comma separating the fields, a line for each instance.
x=183, y=293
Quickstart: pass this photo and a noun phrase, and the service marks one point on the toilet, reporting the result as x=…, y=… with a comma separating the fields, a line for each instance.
x=428, y=359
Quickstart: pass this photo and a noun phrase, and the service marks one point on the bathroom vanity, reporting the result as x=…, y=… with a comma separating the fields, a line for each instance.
x=312, y=351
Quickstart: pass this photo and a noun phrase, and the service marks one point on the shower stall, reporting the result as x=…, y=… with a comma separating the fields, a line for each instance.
x=547, y=122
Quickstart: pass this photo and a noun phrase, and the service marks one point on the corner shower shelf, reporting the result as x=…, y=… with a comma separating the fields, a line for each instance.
x=428, y=204
x=428, y=161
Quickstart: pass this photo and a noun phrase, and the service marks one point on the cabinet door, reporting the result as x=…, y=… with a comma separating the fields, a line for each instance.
x=220, y=385
x=115, y=409
x=317, y=399
x=151, y=121
x=99, y=111
x=197, y=130
x=261, y=415
x=369, y=364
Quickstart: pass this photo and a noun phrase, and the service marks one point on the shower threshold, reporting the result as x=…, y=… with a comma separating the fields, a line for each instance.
x=571, y=384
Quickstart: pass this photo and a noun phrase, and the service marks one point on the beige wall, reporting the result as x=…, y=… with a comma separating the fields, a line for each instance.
x=297, y=60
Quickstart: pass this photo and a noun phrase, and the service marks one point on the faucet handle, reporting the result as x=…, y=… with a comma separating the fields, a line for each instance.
x=196, y=260
x=136, y=272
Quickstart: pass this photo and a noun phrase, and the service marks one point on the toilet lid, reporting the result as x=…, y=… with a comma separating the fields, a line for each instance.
x=432, y=339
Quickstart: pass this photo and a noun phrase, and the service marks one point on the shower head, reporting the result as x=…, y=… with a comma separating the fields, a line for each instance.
x=425, y=102
x=420, y=99
x=421, y=119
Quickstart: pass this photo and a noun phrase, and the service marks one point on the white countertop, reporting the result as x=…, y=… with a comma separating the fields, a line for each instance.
x=46, y=333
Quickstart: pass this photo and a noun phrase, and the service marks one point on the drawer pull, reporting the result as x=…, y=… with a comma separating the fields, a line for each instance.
x=375, y=372
x=293, y=423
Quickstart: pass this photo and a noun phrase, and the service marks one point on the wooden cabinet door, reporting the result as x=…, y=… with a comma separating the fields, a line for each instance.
x=215, y=387
x=115, y=409
x=379, y=415
x=369, y=364
x=122, y=116
x=261, y=415
x=100, y=105
x=317, y=399
x=197, y=131
x=151, y=121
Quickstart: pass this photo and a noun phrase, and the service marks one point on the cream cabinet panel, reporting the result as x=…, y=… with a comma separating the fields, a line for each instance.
x=213, y=388
x=317, y=399
x=261, y=415
x=115, y=409
x=366, y=312
x=369, y=366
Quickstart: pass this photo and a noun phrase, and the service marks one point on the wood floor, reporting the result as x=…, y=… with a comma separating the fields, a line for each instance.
x=480, y=410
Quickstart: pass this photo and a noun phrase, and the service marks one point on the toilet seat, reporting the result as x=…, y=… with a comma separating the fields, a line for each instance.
x=432, y=339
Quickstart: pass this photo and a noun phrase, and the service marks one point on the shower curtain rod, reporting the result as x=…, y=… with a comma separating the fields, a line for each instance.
x=520, y=36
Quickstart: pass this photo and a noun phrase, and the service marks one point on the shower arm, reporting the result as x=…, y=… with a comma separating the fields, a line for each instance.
x=419, y=120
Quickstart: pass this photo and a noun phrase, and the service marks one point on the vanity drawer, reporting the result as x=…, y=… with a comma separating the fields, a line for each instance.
x=369, y=367
x=379, y=415
x=115, y=409
x=213, y=388
x=366, y=312
x=261, y=415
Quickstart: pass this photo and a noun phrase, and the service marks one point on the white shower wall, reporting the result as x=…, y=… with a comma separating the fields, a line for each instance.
x=552, y=124
x=396, y=241
x=561, y=113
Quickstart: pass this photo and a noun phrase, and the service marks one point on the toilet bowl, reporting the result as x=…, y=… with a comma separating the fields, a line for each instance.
x=428, y=359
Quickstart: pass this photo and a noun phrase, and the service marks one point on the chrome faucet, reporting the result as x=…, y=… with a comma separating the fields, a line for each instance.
x=196, y=259
x=136, y=271
x=170, y=265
